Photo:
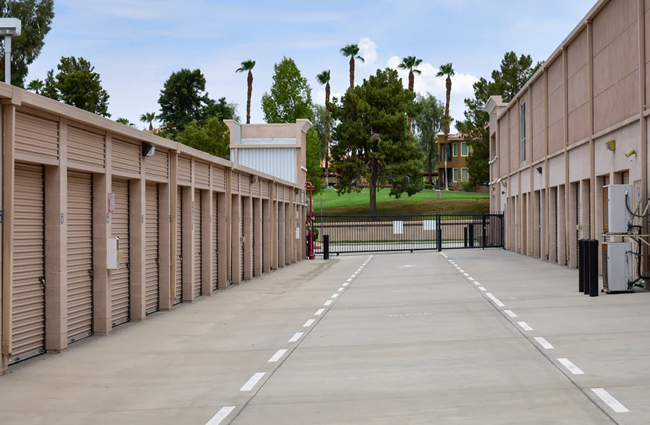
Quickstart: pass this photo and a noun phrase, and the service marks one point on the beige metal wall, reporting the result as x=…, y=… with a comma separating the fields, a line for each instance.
x=177, y=212
x=591, y=91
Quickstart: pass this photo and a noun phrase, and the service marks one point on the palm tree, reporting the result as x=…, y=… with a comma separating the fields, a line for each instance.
x=447, y=71
x=410, y=63
x=324, y=79
x=148, y=117
x=352, y=51
x=248, y=66
x=36, y=86
x=125, y=121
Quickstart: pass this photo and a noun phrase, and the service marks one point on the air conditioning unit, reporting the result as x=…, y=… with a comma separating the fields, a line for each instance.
x=620, y=202
x=620, y=266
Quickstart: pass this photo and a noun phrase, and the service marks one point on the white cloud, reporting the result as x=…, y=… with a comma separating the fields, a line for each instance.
x=368, y=51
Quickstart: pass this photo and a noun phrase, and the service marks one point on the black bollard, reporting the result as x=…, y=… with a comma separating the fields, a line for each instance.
x=587, y=269
x=465, y=237
x=439, y=234
x=581, y=265
x=593, y=268
x=326, y=247
x=471, y=235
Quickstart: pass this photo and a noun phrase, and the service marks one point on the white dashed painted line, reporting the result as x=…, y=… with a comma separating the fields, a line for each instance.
x=341, y=289
x=477, y=283
x=609, y=400
x=346, y=283
x=525, y=326
x=221, y=415
x=572, y=368
x=466, y=274
x=510, y=313
x=350, y=280
x=495, y=300
x=471, y=279
x=461, y=270
x=277, y=356
x=335, y=295
x=319, y=312
x=328, y=302
x=482, y=289
x=253, y=381
x=308, y=323
x=544, y=343
x=296, y=336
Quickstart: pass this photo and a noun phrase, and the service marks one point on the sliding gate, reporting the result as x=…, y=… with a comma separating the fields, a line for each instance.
x=376, y=233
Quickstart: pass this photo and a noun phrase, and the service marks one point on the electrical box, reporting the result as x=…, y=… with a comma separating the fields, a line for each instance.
x=619, y=203
x=620, y=270
x=113, y=253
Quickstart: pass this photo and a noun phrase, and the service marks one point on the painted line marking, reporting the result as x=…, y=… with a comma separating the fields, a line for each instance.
x=482, y=289
x=346, y=283
x=461, y=270
x=466, y=274
x=477, y=283
x=471, y=279
x=495, y=299
x=253, y=381
x=350, y=280
x=335, y=295
x=328, y=302
x=296, y=336
x=308, y=323
x=544, y=343
x=525, y=326
x=510, y=313
x=609, y=400
x=341, y=289
x=572, y=368
x=319, y=312
x=277, y=356
x=221, y=415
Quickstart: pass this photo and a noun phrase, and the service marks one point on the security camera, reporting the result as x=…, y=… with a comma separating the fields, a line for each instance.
x=630, y=153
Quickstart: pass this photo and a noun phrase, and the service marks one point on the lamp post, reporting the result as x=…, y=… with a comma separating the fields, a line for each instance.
x=9, y=27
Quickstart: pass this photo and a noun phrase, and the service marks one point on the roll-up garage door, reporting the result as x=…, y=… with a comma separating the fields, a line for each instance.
x=179, y=247
x=253, y=236
x=151, y=248
x=28, y=329
x=197, y=243
x=120, y=278
x=80, y=256
x=242, y=240
x=215, y=242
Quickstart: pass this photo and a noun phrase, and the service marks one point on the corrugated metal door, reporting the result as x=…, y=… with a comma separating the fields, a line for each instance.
x=80, y=256
x=179, y=247
x=151, y=248
x=120, y=278
x=197, y=243
x=215, y=242
x=262, y=236
x=253, y=236
x=242, y=238
x=28, y=330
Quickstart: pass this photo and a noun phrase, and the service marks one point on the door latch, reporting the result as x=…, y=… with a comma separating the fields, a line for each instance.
x=91, y=273
x=42, y=280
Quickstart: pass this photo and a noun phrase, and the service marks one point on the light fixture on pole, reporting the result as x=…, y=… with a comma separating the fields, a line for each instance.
x=9, y=27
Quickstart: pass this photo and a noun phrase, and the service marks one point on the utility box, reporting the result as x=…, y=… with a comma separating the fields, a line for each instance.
x=113, y=253
x=620, y=270
x=620, y=202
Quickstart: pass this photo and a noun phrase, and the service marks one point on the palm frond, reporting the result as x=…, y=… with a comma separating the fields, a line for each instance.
x=246, y=66
x=324, y=77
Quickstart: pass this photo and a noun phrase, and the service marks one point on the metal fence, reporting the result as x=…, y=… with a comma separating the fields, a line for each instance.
x=375, y=233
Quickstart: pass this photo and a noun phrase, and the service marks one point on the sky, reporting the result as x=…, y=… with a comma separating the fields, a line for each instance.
x=135, y=45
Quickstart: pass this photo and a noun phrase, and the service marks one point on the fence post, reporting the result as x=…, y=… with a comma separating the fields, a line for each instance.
x=439, y=234
x=326, y=247
x=484, y=239
x=465, y=237
x=471, y=235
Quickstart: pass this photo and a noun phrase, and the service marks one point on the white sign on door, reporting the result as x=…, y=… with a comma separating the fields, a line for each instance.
x=111, y=203
x=398, y=227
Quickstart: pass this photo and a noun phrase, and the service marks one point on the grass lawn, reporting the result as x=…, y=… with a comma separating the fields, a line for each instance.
x=421, y=203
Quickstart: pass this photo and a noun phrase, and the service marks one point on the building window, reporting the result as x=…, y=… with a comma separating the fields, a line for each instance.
x=455, y=175
x=464, y=150
x=464, y=174
x=455, y=149
x=522, y=132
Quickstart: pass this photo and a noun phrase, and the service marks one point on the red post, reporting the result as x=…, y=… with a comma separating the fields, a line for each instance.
x=311, y=221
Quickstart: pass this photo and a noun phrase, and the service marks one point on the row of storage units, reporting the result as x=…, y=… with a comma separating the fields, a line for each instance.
x=174, y=215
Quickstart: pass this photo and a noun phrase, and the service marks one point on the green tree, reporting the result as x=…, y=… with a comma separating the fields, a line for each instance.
x=148, y=118
x=77, y=84
x=372, y=139
x=319, y=124
x=324, y=79
x=410, y=63
x=290, y=95
x=447, y=71
x=314, y=170
x=125, y=121
x=429, y=120
x=352, y=51
x=183, y=99
x=506, y=82
x=36, y=86
x=36, y=21
x=247, y=66
x=212, y=137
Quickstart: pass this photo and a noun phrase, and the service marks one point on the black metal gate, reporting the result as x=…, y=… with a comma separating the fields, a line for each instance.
x=376, y=233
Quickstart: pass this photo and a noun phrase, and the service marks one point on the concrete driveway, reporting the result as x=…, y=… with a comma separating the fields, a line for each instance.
x=384, y=339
